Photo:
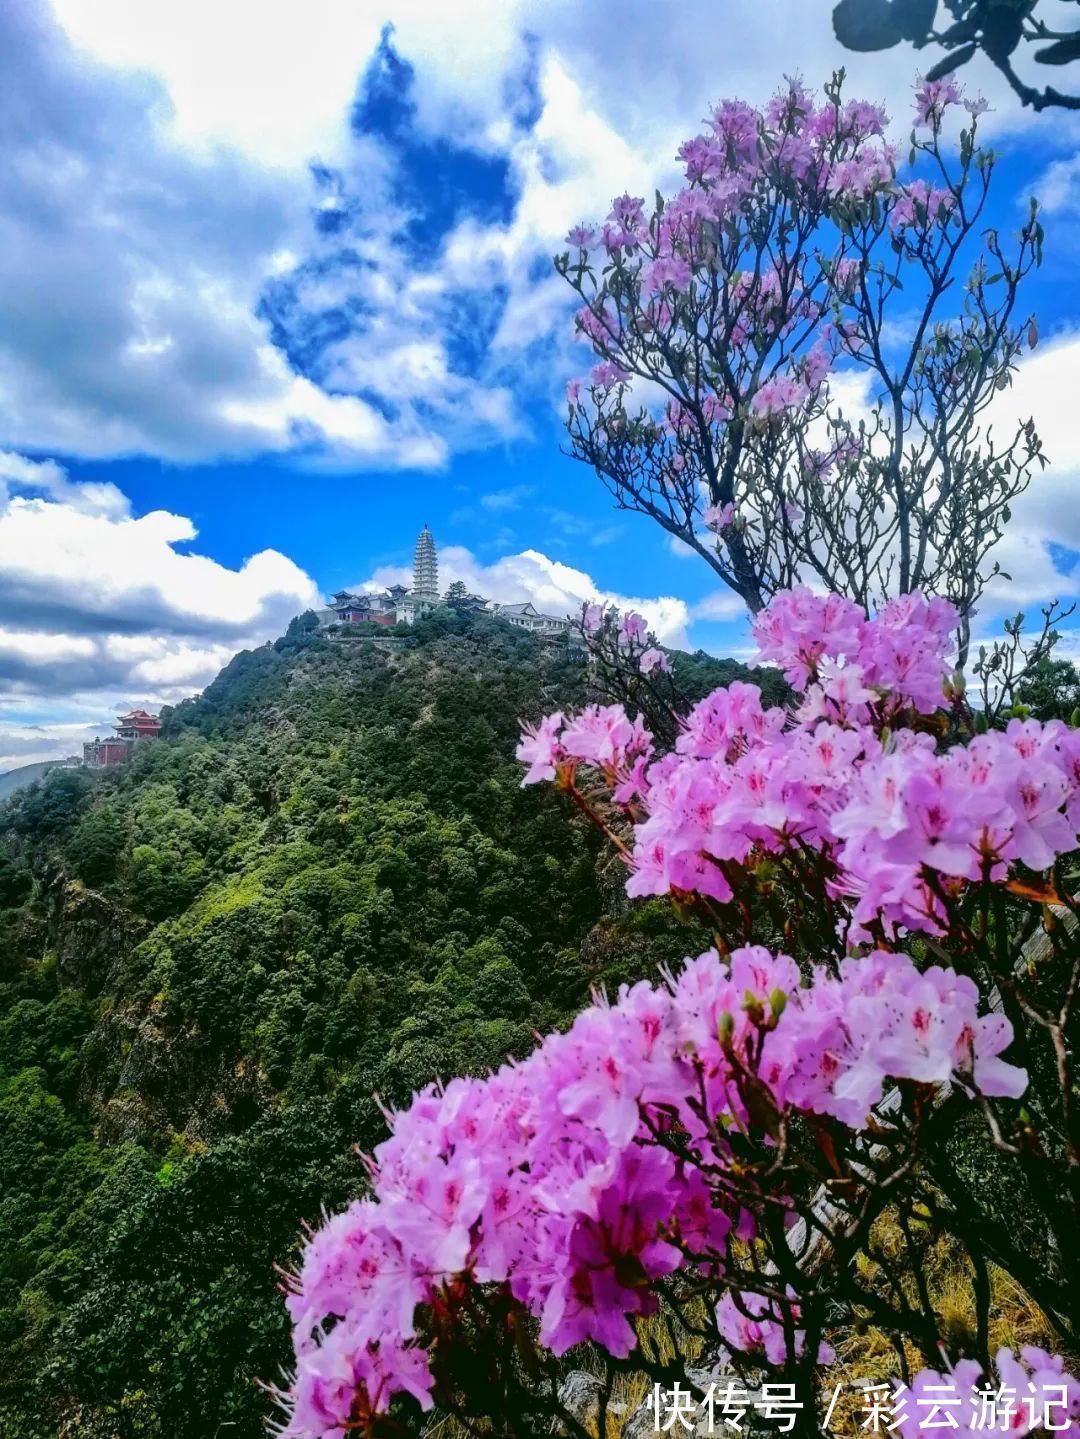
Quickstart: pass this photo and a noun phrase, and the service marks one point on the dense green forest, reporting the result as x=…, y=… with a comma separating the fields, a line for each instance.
x=324, y=884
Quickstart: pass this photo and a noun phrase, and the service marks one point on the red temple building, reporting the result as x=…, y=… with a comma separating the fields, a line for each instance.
x=130, y=730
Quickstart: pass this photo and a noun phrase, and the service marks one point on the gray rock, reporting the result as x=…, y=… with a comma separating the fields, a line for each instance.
x=642, y=1423
x=579, y=1394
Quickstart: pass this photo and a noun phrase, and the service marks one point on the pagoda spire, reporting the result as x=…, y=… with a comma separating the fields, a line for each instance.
x=426, y=567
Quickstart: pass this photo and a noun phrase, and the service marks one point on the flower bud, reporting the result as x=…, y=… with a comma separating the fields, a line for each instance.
x=777, y=1002
x=753, y=1006
x=725, y=1030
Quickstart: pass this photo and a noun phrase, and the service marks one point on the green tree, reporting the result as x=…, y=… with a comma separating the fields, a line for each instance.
x=97, y=845
x=1051, y=689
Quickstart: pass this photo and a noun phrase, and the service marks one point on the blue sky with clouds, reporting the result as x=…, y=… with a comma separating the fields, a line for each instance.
x=275, y=289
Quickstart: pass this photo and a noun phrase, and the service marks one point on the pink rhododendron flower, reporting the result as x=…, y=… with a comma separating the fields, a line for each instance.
x=1029, y=1393
x=540, y=748
x=798, y=627
x=751, y=1322
x=887, y=809
x=655, y=660
x=603, y=735
x=671, y=270
x=718, y=517
x=920, y=204
x=606, y=375
x=592, y=618
x=932, y=98
x=633, y=628
x=583, y=236
x=546, y=1176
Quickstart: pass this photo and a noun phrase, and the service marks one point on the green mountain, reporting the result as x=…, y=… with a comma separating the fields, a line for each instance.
x=26, y=774
x=324, y=883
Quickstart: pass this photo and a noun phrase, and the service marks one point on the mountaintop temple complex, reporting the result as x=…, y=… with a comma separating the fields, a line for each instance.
x=397, y=604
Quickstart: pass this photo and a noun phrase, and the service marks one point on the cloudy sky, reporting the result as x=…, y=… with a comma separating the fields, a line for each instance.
x=275, y=290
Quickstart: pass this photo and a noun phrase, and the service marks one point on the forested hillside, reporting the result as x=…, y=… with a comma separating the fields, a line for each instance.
x=323, y=884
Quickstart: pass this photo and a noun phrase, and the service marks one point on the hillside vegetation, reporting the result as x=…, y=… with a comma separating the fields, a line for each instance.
x=324, y=884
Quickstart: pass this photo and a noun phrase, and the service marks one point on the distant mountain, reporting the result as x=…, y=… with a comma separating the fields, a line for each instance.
x=324, y=882
x=14, y=779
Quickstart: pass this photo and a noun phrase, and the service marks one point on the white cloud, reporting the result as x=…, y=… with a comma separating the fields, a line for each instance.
x=155, y=178
x=270, y=77
x=98, y=605
x=553, y=587
x=132, y=263
x=720, y=605
x=509, y=498
x=1057, y=186
x=22, y=744
x=1048, y=513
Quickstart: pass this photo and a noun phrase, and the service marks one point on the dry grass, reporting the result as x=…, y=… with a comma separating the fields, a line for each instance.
x=867, y=1356
x=864, y=1356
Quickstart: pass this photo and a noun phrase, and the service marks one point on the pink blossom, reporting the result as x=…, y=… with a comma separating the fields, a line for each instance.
x=592, y=617
x=633, y=628
x=887, y=807
x=599, y=326
x=604, y=735
x=716, y=409
x=546, y=1175
x=655, y=660
x=1032, y=1392
x=778, y=395
x=668, y=270
x=920, y=204
x=607, y=375
x=932, y=98
x=798, y=627
x=540, y=748
x=718, y=517
x=629, y=212
x=582, y=236
x=750, y=1322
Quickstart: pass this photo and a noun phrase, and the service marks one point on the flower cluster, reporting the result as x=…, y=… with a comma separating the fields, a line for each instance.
x=830, y=156
x=1032, y=1392
x=898, y=819
x=902, y=650
x=581, y=1176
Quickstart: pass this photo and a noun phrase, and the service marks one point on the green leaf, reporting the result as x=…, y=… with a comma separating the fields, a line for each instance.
x=1061, y=52
x=914, y=18
x=951, y=62
x=866, y=25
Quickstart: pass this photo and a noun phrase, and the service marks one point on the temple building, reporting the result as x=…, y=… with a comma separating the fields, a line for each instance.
x=424, y=595
x=131, y=729
x=399, y=605
x=527, y=617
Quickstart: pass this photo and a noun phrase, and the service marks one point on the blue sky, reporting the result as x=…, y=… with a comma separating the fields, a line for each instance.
x=275, y=290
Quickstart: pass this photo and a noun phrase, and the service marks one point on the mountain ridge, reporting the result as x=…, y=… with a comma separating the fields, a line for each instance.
x=324, y=882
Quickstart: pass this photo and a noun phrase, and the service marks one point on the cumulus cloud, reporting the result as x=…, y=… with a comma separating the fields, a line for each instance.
x=1040, y=550
x=131, y=268
x=100, y=606
x=173, y=282
x=553, y=587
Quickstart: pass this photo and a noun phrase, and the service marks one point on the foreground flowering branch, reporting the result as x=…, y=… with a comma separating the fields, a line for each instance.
x=714, y=1152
